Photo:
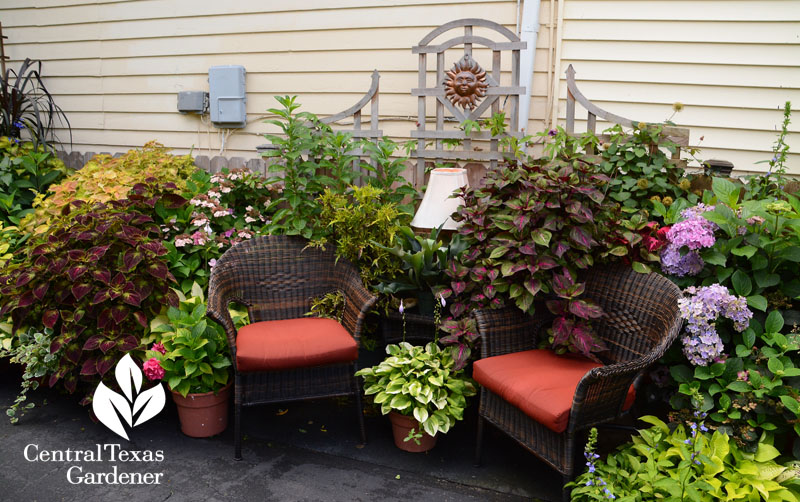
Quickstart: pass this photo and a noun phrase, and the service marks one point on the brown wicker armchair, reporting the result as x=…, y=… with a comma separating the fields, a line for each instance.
x=282, y=355
x=641, y=321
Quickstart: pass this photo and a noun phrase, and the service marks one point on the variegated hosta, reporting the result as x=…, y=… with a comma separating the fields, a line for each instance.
x=95, y=277
x=530, y=229
x=421, y=382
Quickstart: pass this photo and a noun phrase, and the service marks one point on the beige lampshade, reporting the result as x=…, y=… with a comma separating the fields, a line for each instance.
x=437, y=206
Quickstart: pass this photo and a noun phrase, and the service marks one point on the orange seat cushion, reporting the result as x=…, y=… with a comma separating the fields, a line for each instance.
x=293, y=343
x=538, y=382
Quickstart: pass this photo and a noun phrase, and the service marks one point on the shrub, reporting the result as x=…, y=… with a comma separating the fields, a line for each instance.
x=95, y=277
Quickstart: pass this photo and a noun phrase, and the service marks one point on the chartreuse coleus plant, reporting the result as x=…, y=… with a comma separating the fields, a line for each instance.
x=105, y=179
x=95, y=277
x=685, y=464
x=529, y=230
x=193, y=352
x=421, y=382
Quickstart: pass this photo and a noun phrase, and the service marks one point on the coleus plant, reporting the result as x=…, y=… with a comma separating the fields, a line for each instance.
x=530, y=229
x=95, y=278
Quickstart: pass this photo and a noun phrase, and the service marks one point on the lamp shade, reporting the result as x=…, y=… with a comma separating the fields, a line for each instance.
x=437, y=206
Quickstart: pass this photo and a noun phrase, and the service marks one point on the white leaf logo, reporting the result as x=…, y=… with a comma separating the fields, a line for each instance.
x=109, y=406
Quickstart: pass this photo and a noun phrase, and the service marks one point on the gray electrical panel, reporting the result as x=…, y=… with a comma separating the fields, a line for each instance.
x=192, y=101
x=227, y=98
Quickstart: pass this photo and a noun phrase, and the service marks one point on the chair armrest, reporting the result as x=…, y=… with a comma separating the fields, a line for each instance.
x=220, y=295
x=358, y=301
x=507, y=330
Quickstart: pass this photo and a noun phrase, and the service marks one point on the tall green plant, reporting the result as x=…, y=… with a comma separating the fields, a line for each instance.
x=310, y=157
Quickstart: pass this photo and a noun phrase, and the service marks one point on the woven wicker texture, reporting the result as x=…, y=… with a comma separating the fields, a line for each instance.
x=641, y=321
x=276, y=277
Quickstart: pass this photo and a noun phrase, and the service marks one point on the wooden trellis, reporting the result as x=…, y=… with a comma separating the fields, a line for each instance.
x=677, y=135
x=448, y=98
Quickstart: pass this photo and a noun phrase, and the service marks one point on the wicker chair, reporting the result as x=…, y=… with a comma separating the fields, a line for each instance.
x=276, y=277
x=641, y=321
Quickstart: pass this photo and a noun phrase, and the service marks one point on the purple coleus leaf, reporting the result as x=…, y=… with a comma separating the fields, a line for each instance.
x=532, y=285
x=104, y=364
x=102, y=274
x=89, y=367
x=40, y=290
x=50, y=318
x=73, y=353
x=101, y=296
x=585, y=309
x=76, y=255
x=557, y=307
x=76, y=271
x=57, y=265
x=80, y=290
x=140, y=318
x=130, y=259
x=457, y=309
x=107, y=345
x=562, y=328
x=492, y=274
x=26, y=300
x=546, y=263
x=104, y=319
x=128, y=343
x=157, y=270
x=560, y=248
x=119, y=313
x=93, y=343
x=98, y=252
x=458, y=287
x=527, y=249
x=24, y=278
x=580, y=236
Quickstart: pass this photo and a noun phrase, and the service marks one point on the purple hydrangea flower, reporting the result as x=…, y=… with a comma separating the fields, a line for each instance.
x=680, y=257
x=701, y=342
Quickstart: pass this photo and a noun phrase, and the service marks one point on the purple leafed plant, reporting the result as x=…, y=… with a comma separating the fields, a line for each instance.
x=96, y=277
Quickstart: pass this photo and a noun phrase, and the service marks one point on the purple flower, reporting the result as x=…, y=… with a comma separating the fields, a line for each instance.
x=401, y=309
x=701, y=343
x=674, y=263
x=552, y=132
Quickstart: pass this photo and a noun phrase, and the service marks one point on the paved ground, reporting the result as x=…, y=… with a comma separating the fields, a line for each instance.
x=308, y=453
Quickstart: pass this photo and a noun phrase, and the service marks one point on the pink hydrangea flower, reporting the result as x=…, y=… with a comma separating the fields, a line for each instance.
x=152, y=369
x=159, y=347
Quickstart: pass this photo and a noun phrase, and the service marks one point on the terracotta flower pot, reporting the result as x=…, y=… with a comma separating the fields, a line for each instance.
x=203, y=415
x=401, y=425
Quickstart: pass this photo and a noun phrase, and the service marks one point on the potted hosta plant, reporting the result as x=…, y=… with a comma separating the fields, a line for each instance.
x=420, y=390
x=192, y=356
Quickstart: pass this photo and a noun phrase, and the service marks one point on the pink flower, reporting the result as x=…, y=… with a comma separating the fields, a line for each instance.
x=152, y=369
x=159, y=347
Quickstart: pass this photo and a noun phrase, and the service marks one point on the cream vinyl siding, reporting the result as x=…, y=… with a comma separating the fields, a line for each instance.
x=733, y=64
x=116, y=67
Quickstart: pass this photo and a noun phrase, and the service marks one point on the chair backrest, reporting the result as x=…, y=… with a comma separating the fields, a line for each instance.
x=640, y=310
x=277, y=275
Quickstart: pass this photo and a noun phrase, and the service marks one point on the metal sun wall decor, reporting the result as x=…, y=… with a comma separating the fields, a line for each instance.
x=466, y=83
x=465, y=92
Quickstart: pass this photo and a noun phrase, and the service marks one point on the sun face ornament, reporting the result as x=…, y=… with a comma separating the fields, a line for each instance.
x=466, y=83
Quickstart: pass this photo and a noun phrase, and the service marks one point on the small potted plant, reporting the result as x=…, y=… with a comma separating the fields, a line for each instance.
x=420, y=390
x=192, y=356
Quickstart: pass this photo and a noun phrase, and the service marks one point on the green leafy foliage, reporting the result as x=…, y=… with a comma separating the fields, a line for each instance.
x=752, y=391
x=424, y=261
x=773, y=181
x=310, y=157
x=196, y=357
x=361, y=223
x=94, y=277
x=32, y=350
x=674, y=465
x=640, y=171
x=420, y=382
x=25, y=171
x=329, y=306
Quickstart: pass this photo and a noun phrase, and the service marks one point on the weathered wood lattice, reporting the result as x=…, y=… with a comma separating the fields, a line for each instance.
x=677, y=135
x=467, y=86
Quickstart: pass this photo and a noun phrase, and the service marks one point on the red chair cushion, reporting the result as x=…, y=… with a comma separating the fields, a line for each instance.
x=538, y=382
x=293, y=343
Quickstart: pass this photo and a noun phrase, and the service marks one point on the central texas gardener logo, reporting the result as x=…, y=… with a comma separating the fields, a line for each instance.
x=132, y=406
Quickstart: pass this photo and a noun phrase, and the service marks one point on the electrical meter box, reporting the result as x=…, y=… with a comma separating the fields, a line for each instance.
x=227, y=98
x=192, y=101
